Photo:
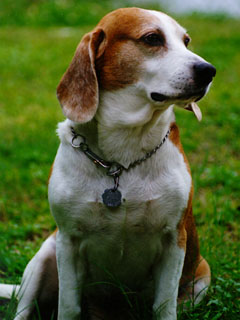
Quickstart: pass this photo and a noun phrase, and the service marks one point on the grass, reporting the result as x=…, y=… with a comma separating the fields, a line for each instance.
x=52, y=12
x=60, y=12
x=32, y=60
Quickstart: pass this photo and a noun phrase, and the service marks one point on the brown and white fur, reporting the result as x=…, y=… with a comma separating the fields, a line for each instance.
x=149, y=244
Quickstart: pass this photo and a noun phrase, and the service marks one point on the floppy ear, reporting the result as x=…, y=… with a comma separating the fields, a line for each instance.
x=77, y=91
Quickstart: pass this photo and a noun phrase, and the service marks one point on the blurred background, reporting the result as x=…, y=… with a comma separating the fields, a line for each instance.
x=79, y=12
x=37, y=41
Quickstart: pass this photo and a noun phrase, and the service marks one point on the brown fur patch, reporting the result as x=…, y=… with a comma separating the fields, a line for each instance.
x=120, y=65
x=192, y=256
x=203, y=270
x=78, y=89
x=188, y=238
x=175, y=138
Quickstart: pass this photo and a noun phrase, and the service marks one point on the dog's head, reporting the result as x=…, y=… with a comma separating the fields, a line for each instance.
x=139, y=52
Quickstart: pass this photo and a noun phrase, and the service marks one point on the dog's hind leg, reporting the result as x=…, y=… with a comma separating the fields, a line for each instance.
x=202, y=280
x=196, y=274
x=195, y=289
x=39, y=287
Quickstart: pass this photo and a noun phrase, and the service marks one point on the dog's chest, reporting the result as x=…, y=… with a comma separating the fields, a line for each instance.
x=153, y=197
x=131, y=235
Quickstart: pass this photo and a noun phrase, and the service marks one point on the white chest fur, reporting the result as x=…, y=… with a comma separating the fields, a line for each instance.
x=154, y=197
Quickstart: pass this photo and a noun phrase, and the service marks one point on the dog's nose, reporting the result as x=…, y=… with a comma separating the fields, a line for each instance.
x=203, y=73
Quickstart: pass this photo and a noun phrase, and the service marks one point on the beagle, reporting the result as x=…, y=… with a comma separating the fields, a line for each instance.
x=120, y=188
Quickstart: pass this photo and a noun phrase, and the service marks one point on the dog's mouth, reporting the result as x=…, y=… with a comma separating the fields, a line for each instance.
x=187, y=101
x=193, y=96
x=159, y=97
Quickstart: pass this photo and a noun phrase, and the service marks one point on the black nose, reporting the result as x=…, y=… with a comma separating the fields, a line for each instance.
x=203, y=73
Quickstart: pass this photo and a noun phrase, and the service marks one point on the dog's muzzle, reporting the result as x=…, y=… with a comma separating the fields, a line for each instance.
x=202, y=75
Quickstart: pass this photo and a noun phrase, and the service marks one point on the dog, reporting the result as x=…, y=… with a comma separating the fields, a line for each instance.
x=120, y=188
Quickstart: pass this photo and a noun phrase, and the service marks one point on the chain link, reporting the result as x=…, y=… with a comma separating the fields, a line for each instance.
x=114, y=169
x=148, y=154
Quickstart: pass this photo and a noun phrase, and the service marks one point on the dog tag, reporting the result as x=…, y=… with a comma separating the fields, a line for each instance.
x=112, y=198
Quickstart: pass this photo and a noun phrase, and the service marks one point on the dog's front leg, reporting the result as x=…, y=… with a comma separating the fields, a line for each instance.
x=70, y=273
x=167, y=274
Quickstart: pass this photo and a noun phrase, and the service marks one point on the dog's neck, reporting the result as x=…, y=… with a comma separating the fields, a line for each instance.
x=123, y=132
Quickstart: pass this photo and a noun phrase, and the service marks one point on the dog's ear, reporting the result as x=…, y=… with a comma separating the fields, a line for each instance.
x=77, y=91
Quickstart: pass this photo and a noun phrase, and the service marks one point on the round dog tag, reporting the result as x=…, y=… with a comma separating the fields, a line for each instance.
x=112, y=198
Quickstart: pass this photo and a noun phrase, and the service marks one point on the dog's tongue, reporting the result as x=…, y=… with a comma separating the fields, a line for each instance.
x=195, y=109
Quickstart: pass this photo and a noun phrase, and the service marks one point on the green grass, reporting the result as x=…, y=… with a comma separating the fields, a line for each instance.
x=59, y=12
x=32, y=60
x=52, y=12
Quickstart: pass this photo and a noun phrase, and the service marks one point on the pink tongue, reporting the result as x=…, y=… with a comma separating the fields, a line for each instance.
x=195, y=109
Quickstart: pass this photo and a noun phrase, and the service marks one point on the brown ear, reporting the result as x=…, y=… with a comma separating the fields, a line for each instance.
x=77, y=91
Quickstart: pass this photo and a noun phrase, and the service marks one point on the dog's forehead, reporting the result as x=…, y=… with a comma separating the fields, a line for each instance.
x=168, y=24
x=135, y=22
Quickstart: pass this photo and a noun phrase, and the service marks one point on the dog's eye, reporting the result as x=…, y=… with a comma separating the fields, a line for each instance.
x=186, y=40
x=154, y=39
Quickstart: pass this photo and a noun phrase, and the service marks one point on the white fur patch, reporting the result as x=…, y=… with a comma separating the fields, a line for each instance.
x=159, y=188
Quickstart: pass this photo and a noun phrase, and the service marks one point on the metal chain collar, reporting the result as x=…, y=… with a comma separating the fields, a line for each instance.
x=114, y=169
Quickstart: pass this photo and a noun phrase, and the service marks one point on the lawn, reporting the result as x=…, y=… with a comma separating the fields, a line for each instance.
x=32, y=60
